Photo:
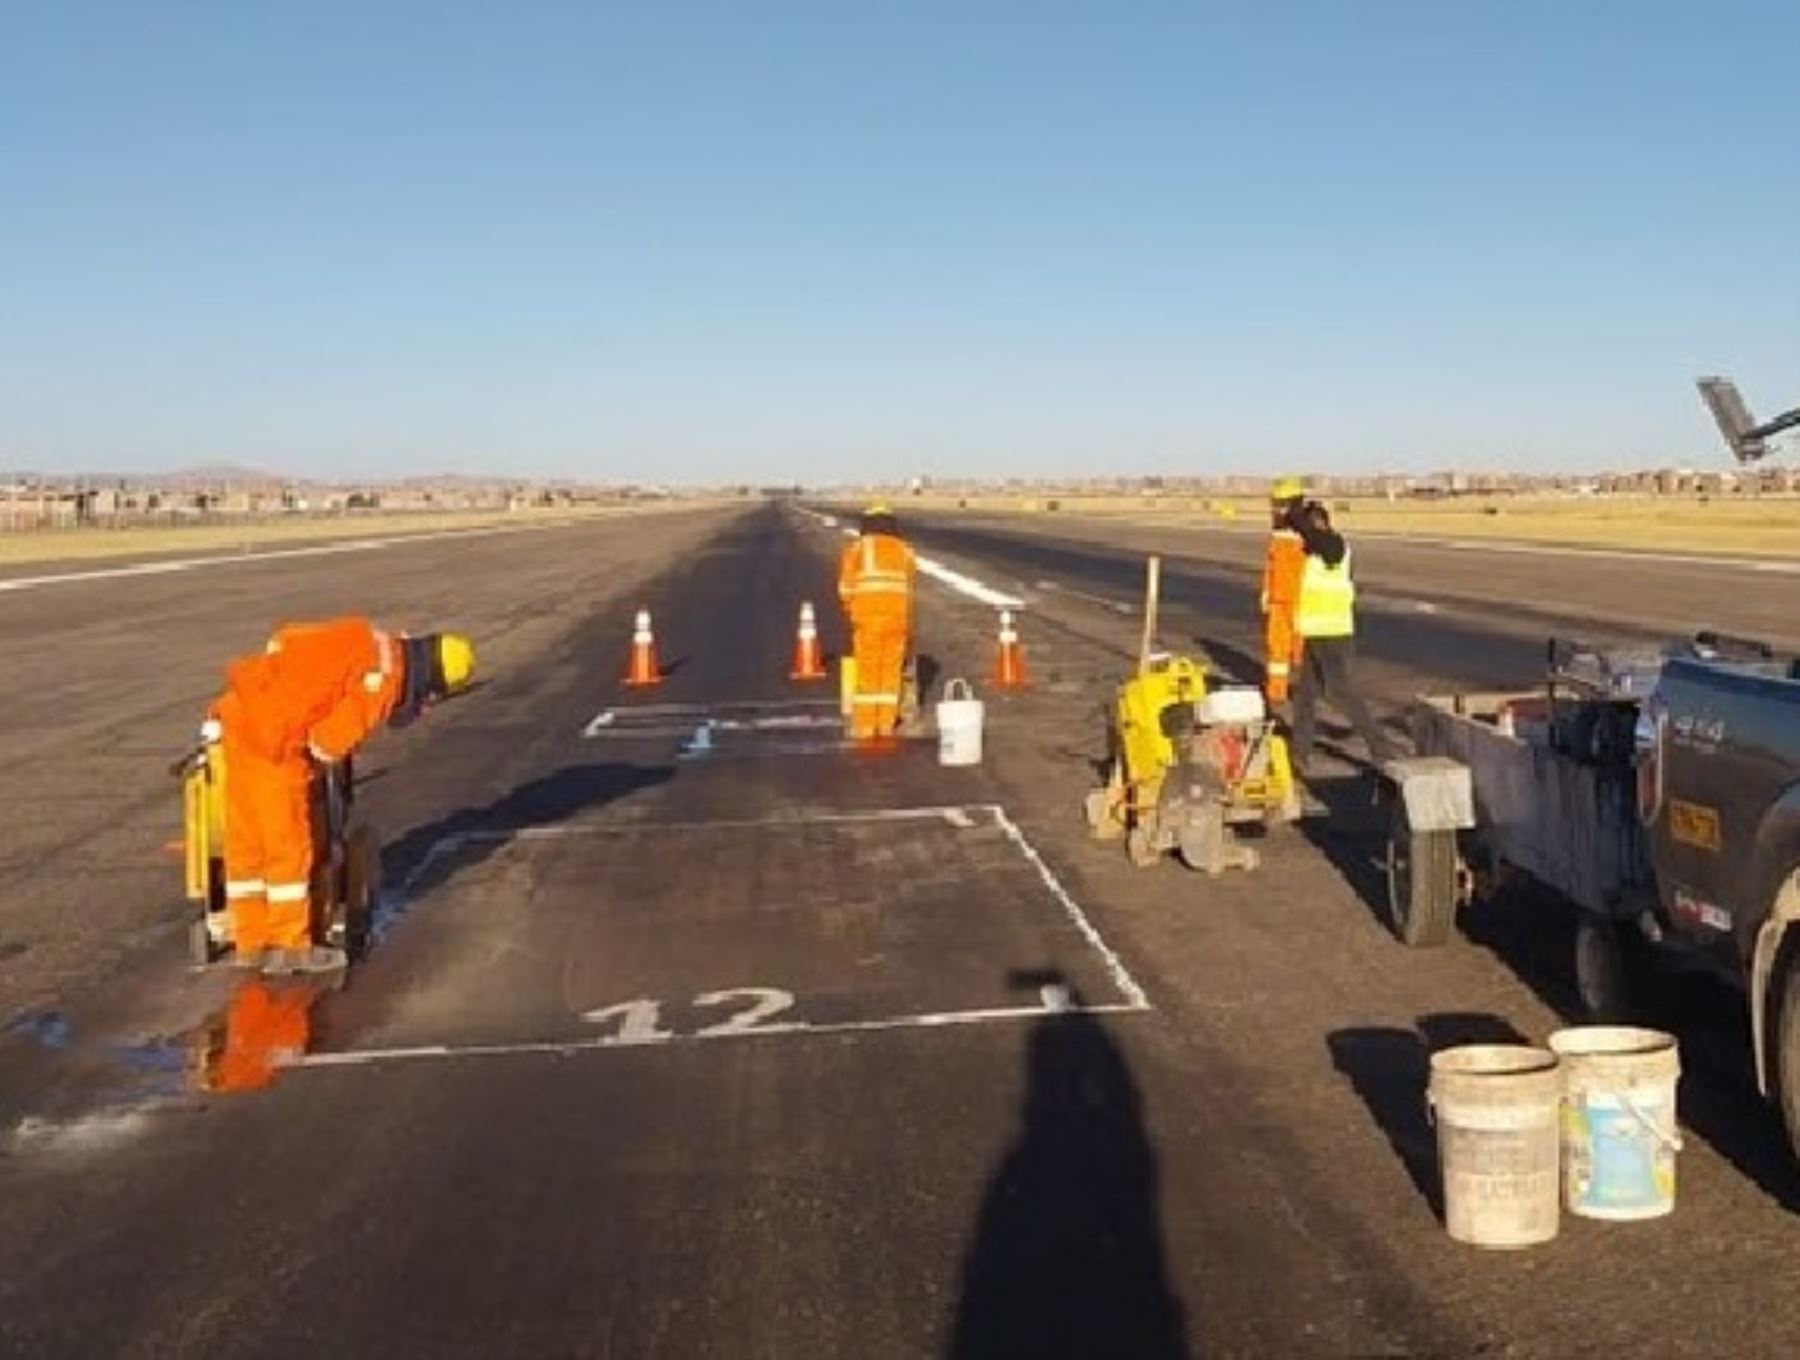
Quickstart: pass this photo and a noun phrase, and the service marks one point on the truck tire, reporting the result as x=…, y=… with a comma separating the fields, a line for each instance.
x=1421, y=881
x=1786, y=1035
x=1609, y=964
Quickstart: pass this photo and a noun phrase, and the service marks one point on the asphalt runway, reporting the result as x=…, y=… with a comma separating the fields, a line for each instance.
x=691, y=1032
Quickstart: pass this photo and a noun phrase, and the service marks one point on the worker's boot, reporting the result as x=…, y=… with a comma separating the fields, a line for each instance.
x=318, y=958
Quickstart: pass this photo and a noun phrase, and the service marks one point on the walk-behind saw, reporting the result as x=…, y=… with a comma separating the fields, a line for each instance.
x=1190, y=764
x=346, y=871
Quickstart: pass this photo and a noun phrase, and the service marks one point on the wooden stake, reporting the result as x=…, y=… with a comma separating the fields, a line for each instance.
x=1152, y=597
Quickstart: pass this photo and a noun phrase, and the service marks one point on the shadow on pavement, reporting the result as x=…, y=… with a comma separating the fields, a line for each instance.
x=1352, y=836
x=1067, y=1257
x=1390, y=1068
x=415, y=863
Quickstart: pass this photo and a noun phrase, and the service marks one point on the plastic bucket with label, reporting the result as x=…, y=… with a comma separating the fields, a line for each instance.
x=1495, y=1107
x=1619, y=1133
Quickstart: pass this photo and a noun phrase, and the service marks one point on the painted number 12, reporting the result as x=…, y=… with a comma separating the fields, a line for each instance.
x=640, y=1021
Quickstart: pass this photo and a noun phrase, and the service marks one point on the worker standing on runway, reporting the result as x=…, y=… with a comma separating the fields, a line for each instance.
x=1325, y=617
x=1281, y=589
x=875, y=583
x=312, y=696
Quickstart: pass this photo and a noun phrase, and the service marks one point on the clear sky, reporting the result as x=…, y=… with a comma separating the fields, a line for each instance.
x=709, y=239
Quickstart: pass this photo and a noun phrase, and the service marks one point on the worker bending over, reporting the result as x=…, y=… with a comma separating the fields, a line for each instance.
x=875, y=583
x=1325, y=616
x=1281, y=589
x=313, y=696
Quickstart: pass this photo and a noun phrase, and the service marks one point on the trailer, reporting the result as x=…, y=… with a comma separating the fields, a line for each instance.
x=1541, y=783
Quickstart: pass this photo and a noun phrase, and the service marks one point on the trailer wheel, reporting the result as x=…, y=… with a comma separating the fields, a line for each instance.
x=1607, y=966
x=1421, y=881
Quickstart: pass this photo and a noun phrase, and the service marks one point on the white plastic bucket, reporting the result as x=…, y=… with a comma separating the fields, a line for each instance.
x=1495, y=1106
x=1619, y=1133
x=959, y=722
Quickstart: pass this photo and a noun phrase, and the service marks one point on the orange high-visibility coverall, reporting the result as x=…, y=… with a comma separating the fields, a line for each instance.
x=316, y=694
x=875, y=583
x=265, y=1026
x=1280, y=598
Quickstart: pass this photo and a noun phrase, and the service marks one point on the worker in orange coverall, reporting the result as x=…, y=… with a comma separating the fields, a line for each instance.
x=313, y=696
x=1281, y=589
x=875, y=583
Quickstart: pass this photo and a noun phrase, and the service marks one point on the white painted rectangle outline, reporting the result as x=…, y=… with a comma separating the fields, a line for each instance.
x=961, y=816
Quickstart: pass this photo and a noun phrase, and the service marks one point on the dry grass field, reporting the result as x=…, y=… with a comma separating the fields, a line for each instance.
x=1750, y=526
x=96, y=543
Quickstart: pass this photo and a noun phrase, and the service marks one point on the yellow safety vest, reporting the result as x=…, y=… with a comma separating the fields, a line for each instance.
x=1327, y=607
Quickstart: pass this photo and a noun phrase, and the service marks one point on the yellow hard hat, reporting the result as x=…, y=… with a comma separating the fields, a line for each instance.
x=456, y=661
x=1287, y=489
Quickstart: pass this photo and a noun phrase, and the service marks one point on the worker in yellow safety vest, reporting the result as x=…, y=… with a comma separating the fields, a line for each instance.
x=875, y=584
x=1325, y=619
x=1281, y=589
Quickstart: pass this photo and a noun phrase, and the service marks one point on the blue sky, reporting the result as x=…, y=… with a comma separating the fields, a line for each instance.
x=711, y=239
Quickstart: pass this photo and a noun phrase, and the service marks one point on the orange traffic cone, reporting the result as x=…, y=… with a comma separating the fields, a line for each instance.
x=808, y=664
x=644, y=668
x=1009, y=669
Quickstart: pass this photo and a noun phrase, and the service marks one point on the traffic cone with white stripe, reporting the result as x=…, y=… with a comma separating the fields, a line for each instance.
x=644, y=668
x=1009, y=668
x=808, y=664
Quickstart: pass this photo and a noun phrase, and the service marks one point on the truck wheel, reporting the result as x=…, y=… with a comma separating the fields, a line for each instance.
x=1787, y=1050
x=1421, y=881
x=1607, y=966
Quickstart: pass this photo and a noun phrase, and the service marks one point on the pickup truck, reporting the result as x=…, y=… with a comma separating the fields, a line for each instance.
x=1719, y=744
x=1657, y=793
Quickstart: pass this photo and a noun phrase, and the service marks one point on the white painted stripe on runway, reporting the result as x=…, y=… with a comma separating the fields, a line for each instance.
x=1117, y=606
x=1115, y=967
x=333, y=549
x=367, y=1057
x=948, y=576
x=968, y=585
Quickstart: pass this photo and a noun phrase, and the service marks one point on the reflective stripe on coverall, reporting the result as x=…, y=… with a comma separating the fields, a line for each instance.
x=875, y=583
x=1280, y=596
x=315, y=694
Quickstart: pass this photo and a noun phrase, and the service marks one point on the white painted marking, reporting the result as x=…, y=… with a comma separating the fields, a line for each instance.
x=639, y=1017
x=1424, y=607
x=765, y=1003
x=1122, y=979
x=1055, y=997
x=181, y=564
x=1117, y=606
x=638, y=1022
x=968, y=585
x=368, y=1057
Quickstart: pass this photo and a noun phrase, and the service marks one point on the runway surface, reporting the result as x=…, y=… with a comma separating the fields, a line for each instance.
x=692, y=1032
